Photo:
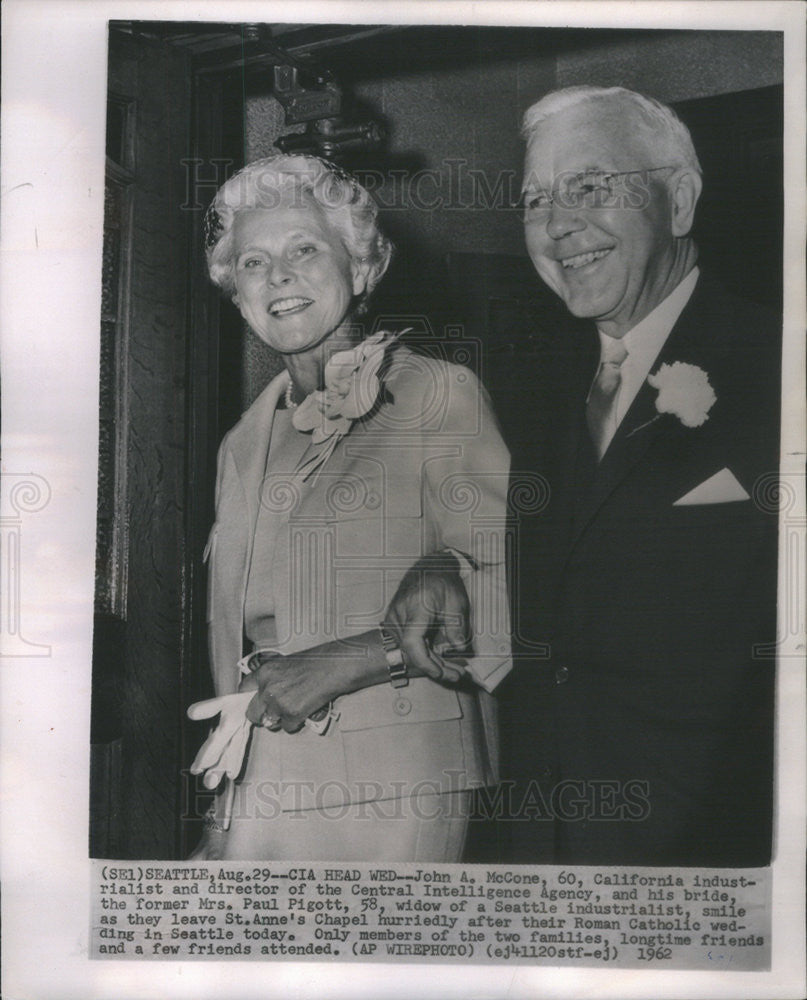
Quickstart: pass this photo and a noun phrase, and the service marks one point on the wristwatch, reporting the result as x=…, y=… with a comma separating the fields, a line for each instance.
x=396, y=665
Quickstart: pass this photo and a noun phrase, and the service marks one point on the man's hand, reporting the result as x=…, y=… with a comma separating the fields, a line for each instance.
x=430, y=615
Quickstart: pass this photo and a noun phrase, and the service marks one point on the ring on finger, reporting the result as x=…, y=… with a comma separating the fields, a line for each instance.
x=269, y=720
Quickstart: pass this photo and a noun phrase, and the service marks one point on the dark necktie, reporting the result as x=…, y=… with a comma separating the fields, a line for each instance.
x=602, y=398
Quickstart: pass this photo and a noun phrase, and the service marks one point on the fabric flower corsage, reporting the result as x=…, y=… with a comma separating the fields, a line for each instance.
x=684, y=391
x=352, y=388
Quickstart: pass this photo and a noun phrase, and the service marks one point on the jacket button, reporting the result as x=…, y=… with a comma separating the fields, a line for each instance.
x=402, y=706
x=561, y=675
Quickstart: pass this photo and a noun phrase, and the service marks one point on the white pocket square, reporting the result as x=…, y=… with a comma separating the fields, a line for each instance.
x=722, y=487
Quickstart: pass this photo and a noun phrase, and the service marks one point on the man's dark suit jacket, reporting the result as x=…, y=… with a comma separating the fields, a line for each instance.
x=647, y=730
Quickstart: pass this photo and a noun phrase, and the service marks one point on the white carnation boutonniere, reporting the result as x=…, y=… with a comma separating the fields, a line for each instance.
x=352, y=389
x=683, y=391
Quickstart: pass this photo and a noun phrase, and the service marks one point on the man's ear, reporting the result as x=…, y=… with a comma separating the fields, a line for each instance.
x=685, y=189
x=360, y=270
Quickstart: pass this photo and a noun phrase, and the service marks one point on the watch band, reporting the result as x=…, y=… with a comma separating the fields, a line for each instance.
x=396, y=665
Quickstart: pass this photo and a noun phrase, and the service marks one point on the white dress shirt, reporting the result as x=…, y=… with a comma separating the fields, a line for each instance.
x=644, y=343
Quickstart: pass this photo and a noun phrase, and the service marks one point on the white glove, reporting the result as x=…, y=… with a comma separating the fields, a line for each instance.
x=223, y=751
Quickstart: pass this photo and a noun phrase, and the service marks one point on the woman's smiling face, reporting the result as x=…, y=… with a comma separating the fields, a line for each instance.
x=294, y=278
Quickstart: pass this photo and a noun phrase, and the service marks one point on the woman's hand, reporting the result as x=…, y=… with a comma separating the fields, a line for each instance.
x=249, y=682
x=430, y=616
x=292, y=688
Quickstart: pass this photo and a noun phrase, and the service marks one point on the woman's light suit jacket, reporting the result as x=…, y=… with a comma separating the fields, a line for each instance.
x=426, y=470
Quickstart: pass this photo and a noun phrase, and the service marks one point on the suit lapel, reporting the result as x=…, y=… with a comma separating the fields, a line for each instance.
x=251, y=445
x=250, y=449
x=642, y=425
x=571, y=459
x=635, y=436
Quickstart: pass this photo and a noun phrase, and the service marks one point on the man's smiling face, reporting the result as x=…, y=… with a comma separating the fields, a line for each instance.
x=609, y=260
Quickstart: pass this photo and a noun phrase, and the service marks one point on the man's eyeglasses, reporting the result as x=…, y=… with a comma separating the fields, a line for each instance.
x=590, y=189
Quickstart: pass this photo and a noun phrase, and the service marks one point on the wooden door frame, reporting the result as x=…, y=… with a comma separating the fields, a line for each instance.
x=214, y=157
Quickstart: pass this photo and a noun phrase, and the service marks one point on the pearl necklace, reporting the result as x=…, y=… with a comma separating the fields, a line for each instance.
x=290, y=404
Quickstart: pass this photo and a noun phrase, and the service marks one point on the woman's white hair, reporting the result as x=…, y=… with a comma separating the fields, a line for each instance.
x=262, y=183
x=665, y=134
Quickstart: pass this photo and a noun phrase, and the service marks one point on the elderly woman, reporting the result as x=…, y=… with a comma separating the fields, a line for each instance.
x=356, y=566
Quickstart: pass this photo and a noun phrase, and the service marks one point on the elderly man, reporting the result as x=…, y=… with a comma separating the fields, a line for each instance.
x=644, y=733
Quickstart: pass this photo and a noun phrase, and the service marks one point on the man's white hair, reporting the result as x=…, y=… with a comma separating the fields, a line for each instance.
x=664, y=132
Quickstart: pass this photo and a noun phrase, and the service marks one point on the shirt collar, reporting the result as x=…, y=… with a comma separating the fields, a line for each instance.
x=644, y=341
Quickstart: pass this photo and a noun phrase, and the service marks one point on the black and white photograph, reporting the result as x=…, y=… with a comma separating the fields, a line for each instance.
x=408, y=515
x=357, y=569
